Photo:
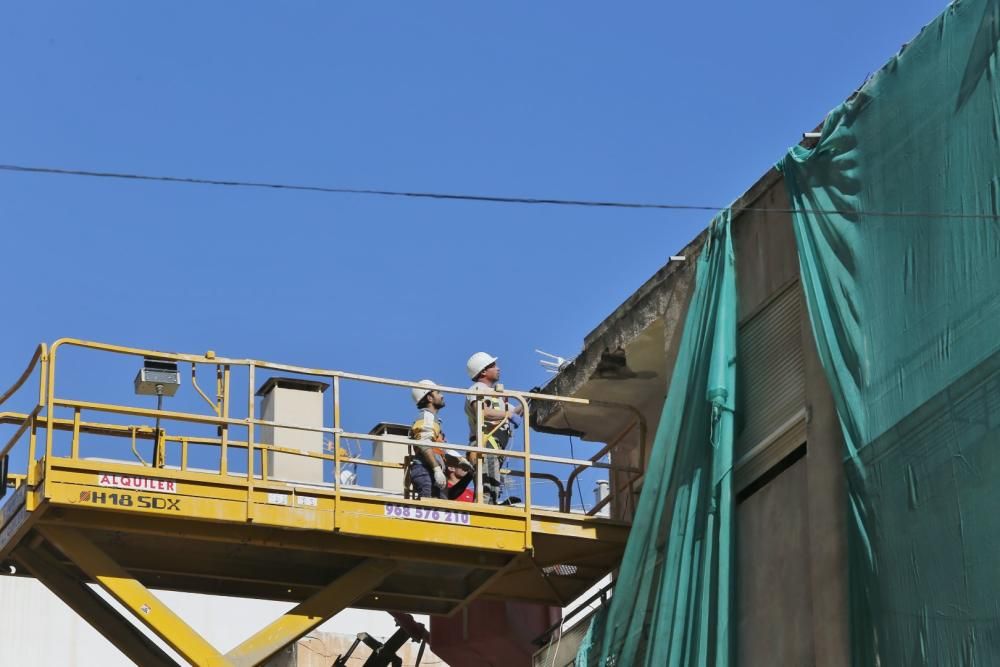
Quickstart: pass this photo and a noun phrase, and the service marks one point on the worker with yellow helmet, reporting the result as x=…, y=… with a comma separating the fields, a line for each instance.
x=427, y=468
x=497, y=415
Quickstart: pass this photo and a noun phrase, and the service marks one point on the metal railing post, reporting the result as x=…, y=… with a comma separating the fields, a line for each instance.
x=336, y=451
x=263, y=461
x=223, y=446
x=32, y=445
x=480, y=456
x=527, y=474
x=218, y=389
x=50, y=398
x=75, y=444
x=33, y=435
x=251, y=416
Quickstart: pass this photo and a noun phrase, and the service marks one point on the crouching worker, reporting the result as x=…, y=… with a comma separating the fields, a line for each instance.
x=427, y=466
x=460, y=474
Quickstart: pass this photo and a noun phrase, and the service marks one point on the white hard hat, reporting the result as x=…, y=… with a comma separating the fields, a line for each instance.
x=457, y=458
x=477, y=363
x=419, y=393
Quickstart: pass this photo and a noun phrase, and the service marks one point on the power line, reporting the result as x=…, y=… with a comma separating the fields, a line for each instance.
x=350, y=191
x=495, y=199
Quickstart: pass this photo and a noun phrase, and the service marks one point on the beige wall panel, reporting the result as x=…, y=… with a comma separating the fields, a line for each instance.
x=764, y=243
x=827, y=512
x=773, y=606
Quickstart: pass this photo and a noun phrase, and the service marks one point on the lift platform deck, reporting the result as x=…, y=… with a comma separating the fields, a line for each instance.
x=132, y=526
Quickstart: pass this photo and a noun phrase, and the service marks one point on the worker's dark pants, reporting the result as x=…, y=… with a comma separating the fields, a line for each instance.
x=422, y=480
x=493, y=481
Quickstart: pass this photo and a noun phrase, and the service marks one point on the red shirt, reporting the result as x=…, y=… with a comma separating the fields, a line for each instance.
x=467, y=496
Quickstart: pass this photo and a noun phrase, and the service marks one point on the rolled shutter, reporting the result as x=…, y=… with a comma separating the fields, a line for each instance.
x=772, y=375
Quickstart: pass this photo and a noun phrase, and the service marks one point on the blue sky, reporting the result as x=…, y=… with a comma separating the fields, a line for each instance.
x=667, y=102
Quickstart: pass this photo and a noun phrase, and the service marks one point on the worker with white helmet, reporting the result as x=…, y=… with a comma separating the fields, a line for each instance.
x=460, y=475
x=497, y=415
x=427, y=467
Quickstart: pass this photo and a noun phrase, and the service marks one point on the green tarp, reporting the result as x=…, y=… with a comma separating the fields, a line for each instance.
x=905, y=306
x=673, y=598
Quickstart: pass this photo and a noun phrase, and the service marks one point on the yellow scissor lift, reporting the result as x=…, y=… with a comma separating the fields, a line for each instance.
x=131, y=526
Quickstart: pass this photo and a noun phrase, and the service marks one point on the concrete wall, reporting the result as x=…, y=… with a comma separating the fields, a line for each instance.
x=764, y=243
x=791, y=543
x=648, y=328
x=827, y=502
x=773, y=591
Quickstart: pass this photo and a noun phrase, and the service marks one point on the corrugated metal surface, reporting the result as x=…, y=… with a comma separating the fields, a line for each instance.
x=772, y=375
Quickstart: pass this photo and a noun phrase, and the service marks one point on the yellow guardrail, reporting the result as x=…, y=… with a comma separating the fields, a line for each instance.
x=30, y=420
x=14, y=481
x=45, y=360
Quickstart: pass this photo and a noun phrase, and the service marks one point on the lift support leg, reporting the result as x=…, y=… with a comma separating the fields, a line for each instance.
x=305, y=616
x=94, y=609
x=152, y=612
x=138, y=599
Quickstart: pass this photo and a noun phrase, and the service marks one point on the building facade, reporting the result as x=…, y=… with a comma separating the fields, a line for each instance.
x=791, y=550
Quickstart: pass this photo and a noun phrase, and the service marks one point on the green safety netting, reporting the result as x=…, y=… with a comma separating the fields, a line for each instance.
x=905, y=306
x=673, y=596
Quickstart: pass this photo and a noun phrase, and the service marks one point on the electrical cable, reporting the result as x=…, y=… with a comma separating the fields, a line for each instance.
x=157, y=454
x=579, y=489
x=556, y=652
x=495, y=199
x=572, y=453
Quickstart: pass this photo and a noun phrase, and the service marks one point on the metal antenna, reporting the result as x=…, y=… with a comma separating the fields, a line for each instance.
x=556, y=364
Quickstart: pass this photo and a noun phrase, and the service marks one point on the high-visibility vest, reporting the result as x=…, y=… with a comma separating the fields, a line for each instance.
x=495, y=433
x=419, y=425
